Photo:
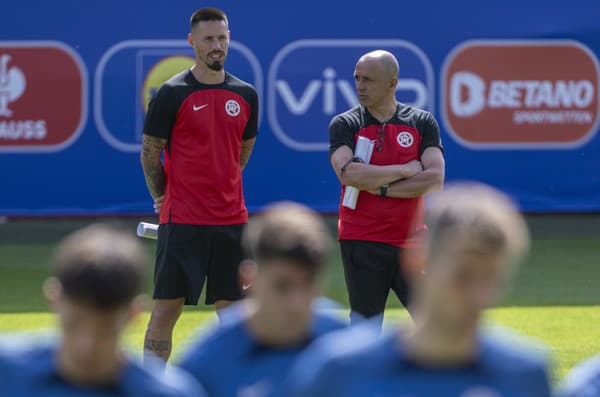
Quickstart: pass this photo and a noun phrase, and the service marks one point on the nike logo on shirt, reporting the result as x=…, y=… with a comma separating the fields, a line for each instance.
x=196, y=108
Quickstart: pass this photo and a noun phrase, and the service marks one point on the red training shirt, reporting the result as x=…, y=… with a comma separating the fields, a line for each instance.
x=406, y=135
x=204, y=125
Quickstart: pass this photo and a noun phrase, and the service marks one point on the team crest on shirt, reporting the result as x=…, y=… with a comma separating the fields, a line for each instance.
x=232, y=107
x=405, y=139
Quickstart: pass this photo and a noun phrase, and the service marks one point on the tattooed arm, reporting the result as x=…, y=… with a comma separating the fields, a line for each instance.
x=247, y=146
x=152, y=165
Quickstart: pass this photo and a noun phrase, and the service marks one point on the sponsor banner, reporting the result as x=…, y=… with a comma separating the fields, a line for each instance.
x=43, y=93
x=521, y=94
x=312, y=80
x=516, y=99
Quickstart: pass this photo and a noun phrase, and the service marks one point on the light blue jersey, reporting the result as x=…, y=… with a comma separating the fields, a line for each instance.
x=230, y=362
x=355, y=363
x=583, y=380
x=32, y=372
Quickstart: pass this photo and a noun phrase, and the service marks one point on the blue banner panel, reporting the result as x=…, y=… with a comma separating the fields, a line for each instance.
x=514, y=86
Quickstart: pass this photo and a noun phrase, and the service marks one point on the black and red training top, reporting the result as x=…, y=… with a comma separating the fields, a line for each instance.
x=204, y=125
x=394, y=221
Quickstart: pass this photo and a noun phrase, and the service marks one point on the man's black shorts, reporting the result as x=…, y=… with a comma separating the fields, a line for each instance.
x=371, y=269
x=186, y=255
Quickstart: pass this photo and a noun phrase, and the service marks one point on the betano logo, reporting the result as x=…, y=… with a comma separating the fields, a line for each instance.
x=521, y=94
x=31, y=120
x=312, y=80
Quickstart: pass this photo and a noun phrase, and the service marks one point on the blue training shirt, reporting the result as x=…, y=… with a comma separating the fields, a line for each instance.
x=355, y=363
x=583, y=380
x=32, y=372
x=231, y=362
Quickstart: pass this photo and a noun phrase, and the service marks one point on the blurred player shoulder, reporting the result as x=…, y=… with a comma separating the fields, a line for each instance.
x=583, y=380
x=35, y=374
x=223, y=340
x=334, y=353
x=255, y=365
x=8, y=362
x=231, y=337
x=349, y=359
x=516, y=361
x=180, y=381
x=510, y=352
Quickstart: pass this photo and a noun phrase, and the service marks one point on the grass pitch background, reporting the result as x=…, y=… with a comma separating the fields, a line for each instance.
x=556, y=297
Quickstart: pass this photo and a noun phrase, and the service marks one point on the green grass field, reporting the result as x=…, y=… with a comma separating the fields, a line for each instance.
x=555, y=298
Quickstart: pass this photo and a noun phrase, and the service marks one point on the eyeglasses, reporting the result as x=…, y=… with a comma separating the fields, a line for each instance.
x=380, y=138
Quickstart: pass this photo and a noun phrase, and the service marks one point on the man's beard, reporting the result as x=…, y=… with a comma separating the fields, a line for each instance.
x=216, y=66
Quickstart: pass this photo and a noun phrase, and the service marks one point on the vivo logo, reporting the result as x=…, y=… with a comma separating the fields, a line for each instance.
x=311, y=80
x=329, y=88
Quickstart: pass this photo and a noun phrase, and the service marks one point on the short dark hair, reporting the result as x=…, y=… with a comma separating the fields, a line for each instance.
x=290, y=232
x=208, y=14
x=100, y=266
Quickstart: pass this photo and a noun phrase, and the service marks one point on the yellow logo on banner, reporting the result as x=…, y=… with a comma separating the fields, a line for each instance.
x=162, y=71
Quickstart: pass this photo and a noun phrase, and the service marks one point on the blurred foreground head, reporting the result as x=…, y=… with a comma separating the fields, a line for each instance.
x=98, y=274
x=476, y=237
x=100, y=266
x=289, y=244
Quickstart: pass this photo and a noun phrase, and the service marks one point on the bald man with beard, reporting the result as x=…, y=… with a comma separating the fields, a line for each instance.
x=406, y=164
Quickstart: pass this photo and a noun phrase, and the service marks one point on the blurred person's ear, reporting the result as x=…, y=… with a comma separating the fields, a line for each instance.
x=247, y=275
x=52, y=292
x=412, y=263
x=138, y=305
